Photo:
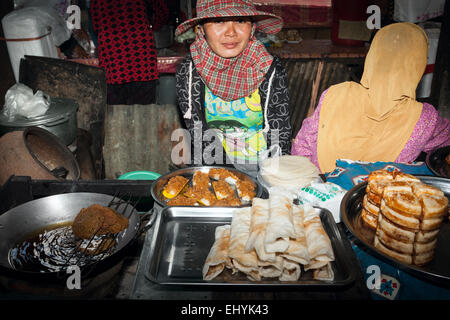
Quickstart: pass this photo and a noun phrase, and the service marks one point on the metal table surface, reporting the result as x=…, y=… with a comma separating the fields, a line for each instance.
x=144, y=289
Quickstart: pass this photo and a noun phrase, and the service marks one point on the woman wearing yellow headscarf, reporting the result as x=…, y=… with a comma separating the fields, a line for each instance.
x=379, y=118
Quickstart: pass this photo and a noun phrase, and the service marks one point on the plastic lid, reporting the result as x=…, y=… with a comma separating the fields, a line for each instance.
x=60, y=109
x=140, y=175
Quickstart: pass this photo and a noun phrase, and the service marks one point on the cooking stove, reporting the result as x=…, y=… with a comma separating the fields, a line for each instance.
x=101, y=282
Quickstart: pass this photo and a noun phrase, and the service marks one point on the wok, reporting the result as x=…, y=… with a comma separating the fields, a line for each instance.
x=35, y=215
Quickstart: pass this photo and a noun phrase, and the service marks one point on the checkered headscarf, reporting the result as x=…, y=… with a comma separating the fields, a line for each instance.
x=231, y=78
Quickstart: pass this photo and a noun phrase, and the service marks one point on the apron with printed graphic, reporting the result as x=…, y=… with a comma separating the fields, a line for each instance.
x=238, y=124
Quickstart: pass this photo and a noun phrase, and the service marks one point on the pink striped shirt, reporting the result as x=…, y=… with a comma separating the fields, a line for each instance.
x=430, y=132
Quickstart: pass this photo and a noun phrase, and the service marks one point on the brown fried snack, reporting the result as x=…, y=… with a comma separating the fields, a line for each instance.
x=228, y=202
x=182, y=200
x=246, y=190
x=222, y=190
x=200, y=180
x=98, y=220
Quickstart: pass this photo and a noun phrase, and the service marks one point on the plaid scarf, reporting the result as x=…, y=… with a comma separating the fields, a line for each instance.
x=231, y=78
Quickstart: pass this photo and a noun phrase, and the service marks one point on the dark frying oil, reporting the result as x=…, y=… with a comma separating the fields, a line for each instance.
x=50, y=249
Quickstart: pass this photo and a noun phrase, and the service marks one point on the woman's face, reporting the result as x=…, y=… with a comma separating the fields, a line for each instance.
x=228, y=37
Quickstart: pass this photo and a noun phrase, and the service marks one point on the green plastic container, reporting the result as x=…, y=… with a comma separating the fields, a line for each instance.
x=146, y=203
x=140, y=175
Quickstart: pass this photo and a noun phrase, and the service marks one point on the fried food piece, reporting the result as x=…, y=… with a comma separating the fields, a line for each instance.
x=200, y=180
x=223, y=174
x=228, y=202
x=182, y=200
x=174, y=186
x=222, y=190
x=206, y=197
x=246, y=190
x=98, y=220
x=203, y=196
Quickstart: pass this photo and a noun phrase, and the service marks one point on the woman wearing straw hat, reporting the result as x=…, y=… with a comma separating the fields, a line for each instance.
x=230, y=85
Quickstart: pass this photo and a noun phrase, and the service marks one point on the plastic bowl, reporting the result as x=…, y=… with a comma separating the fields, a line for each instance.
x=140, y=175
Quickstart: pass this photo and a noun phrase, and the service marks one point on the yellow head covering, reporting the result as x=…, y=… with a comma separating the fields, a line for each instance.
x=373, y=120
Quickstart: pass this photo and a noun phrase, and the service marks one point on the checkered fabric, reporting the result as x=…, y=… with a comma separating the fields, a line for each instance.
x=265, y=22
x=231, y=78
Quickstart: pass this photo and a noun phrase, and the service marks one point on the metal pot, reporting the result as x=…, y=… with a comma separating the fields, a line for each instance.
x=60, y=119
x=38, y=214
x=37, y=153
x=159, y=184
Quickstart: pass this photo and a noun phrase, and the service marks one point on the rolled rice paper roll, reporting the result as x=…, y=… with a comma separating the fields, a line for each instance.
x=291, y=271
x=318, y=242
x=269, y=269
x=298, y=249
x=217, y=258
x=315, y=264
x=258, y=222
x=324, y=273
x=246, y=262
x=280, y=226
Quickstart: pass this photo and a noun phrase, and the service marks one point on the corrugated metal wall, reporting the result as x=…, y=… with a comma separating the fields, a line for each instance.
x=138, y=137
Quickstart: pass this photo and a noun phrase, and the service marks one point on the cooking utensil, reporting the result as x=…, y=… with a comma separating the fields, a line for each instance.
x=60, y=119
x=437, y=270
x=159, y=184
x=183, y=237
x=38, y=214
x=435, y=161
x=36, y=152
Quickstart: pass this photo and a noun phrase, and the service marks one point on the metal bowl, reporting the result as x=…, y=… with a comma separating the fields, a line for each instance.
x=437, y=270
x=158, y=185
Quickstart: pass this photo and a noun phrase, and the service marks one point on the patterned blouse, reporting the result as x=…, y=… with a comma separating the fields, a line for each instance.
x=431, y=132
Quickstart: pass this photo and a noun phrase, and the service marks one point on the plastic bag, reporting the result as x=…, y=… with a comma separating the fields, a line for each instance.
x=34, y=21
x=323, y=195
x=20, y=100
x=417, y=11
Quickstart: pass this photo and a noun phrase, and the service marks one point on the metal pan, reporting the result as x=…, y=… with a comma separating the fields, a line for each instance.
x=437, y=270
x=38, y=214
x=159, y=184
x=183, y=237
x=435, y=161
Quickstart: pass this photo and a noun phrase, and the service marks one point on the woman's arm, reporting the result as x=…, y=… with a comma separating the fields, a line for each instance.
x=305, y=142
x=431, y=132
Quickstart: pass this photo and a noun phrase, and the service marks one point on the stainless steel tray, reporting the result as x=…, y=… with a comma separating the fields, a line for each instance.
x=158, y=185
x=435, y=161
x=183, y=237
x=437, y=270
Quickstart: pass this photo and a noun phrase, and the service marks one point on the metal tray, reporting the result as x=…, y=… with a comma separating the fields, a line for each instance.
x=158, y=185
x=437, y=270
x=183, y=237
x=435, y=161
